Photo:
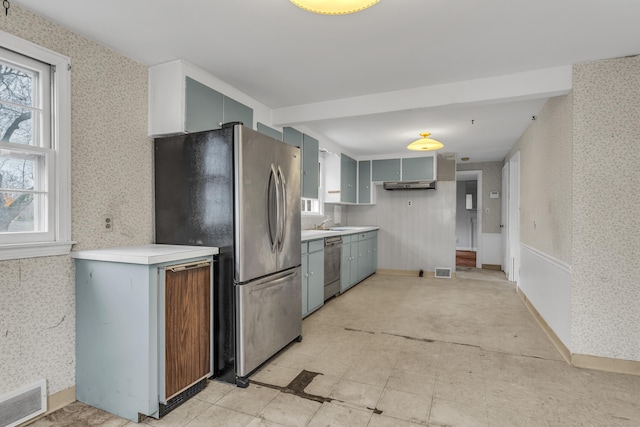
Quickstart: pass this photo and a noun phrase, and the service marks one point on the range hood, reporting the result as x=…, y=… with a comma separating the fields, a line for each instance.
x=409, y=185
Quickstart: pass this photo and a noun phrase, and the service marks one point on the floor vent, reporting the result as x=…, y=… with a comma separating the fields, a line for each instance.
x=179, y=399
x=443, y=273
x=23, y=404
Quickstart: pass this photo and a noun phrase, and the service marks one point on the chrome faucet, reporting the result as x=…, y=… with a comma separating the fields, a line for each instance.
x=321, y=225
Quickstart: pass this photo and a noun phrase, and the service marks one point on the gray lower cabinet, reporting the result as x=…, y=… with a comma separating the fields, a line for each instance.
x=143, y=332
x=312, y=275
x=359, y=258
x=349, y=262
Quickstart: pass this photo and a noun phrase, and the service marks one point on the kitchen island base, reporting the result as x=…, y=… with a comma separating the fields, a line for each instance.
x=124, y=328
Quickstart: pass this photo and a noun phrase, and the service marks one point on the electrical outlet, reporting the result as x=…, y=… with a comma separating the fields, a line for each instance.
x=107, y=223
x=410, y=203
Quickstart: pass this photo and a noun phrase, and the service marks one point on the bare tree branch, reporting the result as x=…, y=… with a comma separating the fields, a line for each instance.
x=15, y=125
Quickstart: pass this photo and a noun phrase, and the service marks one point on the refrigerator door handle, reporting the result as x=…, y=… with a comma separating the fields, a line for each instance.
x=283, y=212
x=273, y=230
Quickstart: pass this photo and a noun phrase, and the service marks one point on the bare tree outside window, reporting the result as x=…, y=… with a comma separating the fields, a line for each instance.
x=16, y=168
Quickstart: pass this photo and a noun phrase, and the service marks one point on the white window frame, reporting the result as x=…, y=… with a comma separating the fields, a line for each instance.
x=58, y=242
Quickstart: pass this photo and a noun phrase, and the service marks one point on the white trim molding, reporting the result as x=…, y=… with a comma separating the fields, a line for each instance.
x=546, y=281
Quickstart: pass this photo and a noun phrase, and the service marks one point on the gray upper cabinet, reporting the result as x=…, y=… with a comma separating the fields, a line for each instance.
x=310, y=173
x=385, y=170
x=348, y=179
x=234, y=111
x=309, y=166
x=181, y=100
x=364, y=181
x=269, y=131
x=417, y=168
x=203, y=107
x=292, y=137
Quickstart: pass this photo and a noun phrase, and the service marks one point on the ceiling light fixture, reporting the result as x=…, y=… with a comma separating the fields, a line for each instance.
x=334, y=7
x=425, y=143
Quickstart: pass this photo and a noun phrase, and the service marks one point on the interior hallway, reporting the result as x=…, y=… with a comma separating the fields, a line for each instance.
x=404, y=351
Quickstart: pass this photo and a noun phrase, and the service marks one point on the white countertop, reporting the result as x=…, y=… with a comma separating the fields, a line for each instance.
x=146, y=254
x=338, y=230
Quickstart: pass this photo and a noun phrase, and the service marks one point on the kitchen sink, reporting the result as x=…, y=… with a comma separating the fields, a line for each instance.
x=346, y=228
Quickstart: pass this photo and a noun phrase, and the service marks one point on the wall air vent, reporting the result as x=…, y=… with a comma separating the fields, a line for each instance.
x=443, y=273
x=23, y=404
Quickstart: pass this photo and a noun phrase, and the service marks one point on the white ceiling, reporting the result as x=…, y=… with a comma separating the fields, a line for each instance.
x=372, y=81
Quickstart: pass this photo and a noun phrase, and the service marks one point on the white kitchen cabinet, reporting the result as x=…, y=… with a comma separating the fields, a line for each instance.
x=143, y=335
x=312, y=275
x=180, y=101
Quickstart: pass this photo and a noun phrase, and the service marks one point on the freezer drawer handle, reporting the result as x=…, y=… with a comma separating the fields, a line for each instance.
x=188, y=266
x=272, y=283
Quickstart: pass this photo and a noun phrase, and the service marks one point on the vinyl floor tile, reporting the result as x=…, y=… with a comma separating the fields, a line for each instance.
x=336, y=414
x=405, y=351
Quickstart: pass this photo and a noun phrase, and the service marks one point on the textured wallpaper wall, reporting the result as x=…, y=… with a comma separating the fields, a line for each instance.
x=606, y=209
x=111, y=174
x=545, y=180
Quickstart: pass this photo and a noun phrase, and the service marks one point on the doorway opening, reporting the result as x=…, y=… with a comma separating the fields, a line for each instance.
x=469, y=219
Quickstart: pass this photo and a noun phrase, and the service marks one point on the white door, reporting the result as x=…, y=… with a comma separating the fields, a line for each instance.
x=504, y=229
x=514, y=217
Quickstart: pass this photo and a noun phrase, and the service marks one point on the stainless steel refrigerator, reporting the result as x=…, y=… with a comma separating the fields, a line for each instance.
x=239, y=190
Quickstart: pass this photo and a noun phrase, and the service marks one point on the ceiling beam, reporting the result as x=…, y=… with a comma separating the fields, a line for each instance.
x=510, y=87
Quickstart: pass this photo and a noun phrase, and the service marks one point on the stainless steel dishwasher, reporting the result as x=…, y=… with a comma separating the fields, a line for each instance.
x=332, y=255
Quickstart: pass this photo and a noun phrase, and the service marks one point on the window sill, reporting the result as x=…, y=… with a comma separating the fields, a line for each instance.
x=34, y=250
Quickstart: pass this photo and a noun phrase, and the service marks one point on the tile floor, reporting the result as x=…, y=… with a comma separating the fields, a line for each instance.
x=405, y=351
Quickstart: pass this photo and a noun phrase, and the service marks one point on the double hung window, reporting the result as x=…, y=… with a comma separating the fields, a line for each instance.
x=34, y=151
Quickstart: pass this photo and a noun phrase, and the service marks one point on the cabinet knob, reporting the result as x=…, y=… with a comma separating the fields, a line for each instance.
x=311, y=273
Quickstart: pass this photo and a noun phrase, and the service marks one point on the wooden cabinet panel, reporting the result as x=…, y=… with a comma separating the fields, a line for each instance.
x=187, y=327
